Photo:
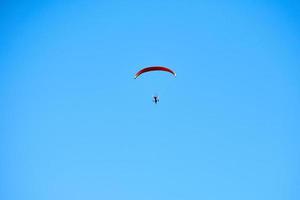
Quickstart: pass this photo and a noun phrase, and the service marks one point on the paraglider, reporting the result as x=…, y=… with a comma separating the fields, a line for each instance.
x=155, y=99
x=151, y=69
x=154, y=68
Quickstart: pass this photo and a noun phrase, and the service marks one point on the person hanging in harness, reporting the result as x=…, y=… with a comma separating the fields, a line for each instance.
x=155, y=99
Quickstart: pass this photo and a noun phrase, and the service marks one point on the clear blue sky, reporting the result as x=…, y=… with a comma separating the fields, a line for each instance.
x=74, y=124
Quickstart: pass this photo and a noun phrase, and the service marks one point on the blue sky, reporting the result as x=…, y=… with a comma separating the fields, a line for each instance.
x=74, y=124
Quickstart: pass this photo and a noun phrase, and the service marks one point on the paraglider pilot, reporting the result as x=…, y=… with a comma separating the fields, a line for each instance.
x=155, y=99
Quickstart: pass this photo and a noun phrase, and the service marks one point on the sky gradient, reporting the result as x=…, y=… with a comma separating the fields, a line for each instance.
x=75, y=124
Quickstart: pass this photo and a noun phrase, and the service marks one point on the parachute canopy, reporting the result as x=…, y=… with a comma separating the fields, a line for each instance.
x=154, y=68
